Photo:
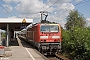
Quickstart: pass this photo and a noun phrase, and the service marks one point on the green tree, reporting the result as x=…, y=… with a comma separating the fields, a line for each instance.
x=75, y=19
x=76, y=44
x=76, y=38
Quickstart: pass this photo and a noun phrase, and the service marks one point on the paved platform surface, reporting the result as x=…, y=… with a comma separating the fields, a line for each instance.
x=24, y=52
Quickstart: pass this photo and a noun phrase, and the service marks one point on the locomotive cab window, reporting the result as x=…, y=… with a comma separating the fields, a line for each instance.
x=49, y=28
x=44, y=28
x=54, y=28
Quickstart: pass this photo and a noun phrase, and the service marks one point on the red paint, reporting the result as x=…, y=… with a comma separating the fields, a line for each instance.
x=34, y=34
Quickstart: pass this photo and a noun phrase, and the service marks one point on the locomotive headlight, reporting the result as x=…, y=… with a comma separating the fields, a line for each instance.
x=55, y=36
x=44, y=37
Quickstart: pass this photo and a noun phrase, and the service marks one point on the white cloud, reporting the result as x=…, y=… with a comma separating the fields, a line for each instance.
x=12, y=17
x=8, y=8
x=59, y=1
x=79, y=0
x=87, y=21
x=9, y=1
x=28, y=8
x=61, y=12
x=67, y=6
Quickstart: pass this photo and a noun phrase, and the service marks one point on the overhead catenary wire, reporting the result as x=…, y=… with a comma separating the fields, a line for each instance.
x=84, y=1
x=4, y=4
x=52, y=4
x=49, y=6
x=5, y=9
x=35, y=15
x=61, y=9
x=45, y=4
x=80, y=2
x=42, y=8
x=65, y=6
x=76, y=5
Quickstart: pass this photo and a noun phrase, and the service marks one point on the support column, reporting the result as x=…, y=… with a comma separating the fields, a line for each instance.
x=7, y=42
x=0, y=38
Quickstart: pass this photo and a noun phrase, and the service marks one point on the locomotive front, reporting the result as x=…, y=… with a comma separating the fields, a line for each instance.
x=50, y=38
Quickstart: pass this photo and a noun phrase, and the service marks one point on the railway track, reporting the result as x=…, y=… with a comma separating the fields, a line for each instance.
x=57, y=57
x=53, y=58
x=61, y=57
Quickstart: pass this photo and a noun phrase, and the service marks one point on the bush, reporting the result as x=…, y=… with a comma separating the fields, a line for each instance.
x=76, y=43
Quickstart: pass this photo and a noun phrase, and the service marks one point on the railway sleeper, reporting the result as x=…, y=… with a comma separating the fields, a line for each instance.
x=61, y=57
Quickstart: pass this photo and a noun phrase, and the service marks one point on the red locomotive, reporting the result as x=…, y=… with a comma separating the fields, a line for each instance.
x=46, y=37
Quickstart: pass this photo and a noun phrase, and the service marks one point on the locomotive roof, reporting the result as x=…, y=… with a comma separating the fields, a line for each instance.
x=40, y=24
x=48, y=24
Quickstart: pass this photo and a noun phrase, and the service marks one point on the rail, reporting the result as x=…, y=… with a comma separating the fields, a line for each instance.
x=61, y=57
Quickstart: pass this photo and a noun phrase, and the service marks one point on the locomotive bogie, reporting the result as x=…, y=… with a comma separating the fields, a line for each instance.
x=50, y=48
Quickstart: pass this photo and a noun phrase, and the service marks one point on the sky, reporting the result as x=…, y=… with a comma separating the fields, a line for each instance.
x=57, y=10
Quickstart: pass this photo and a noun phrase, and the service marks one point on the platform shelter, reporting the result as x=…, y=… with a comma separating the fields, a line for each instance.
x=15, y=24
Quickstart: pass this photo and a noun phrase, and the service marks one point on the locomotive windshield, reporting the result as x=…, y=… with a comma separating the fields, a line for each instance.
x=49, y=28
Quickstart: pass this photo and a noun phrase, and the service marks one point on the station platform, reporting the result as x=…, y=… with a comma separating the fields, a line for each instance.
x=20, y=50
